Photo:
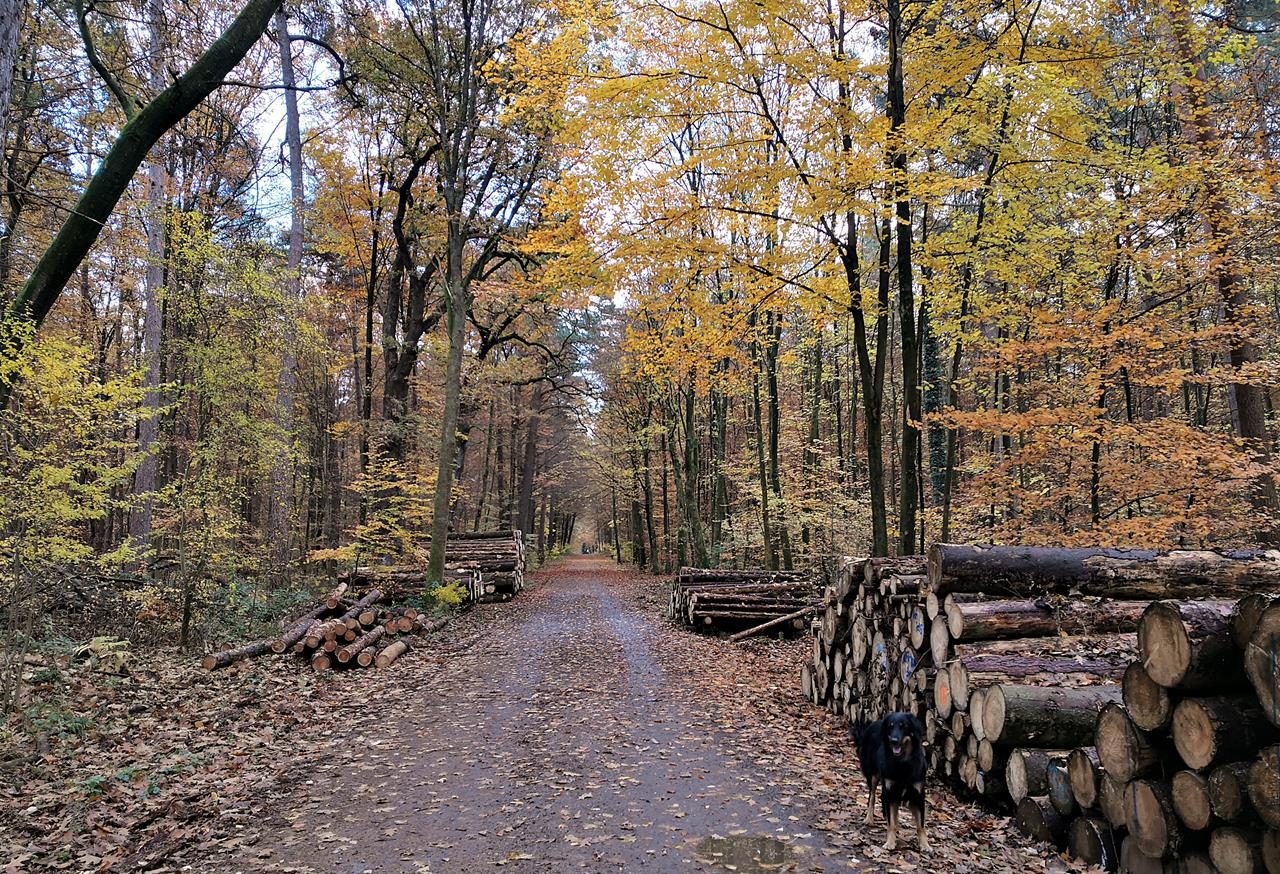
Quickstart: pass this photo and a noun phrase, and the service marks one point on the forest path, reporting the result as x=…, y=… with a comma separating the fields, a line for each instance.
x=573, y=729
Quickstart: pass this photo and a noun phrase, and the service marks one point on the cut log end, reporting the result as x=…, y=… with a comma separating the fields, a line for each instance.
x=1190, y=793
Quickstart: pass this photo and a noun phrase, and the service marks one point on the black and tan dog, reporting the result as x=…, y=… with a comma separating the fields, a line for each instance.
x=891, y=753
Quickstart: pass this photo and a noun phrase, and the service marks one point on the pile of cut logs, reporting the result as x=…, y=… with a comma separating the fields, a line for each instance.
x=1142, y=735
x=338, y=632
x=490, y=564
x=743, y=601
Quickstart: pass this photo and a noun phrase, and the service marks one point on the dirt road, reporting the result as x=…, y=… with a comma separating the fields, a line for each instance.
x=573, y=729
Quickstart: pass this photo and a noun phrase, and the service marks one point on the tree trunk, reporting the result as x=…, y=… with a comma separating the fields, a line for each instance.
x=896, y=107
x=281, y=492
x=770, y=554
x=215, y=660
x=145, y=478
x=11, y=13
x=458, y=303
x=697, y=538
x=637, y=535
x=528, y=470
x=1216, y=210
x=773, y=331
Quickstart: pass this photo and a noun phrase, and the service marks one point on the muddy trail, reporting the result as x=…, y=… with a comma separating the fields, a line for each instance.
x=572, y=729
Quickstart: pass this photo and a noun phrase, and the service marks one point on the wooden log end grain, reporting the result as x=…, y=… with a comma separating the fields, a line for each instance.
x=1083, y=772
x=1210, y=730
x=1037, y=818
x=1262, y=662
x=942, y=701
x=1228, y=787
x=1152, y=820
x=1134, y=861
x=1271, y=851
x=1111, y=794
x=1264, y=785
x=1191, y=862
x=1093, y=841
x=1149, y=704
x=1190, y=793
x=1246, y=614
x=939, y=640
x=1027, y=772
x=1060, y=795
x=1236, y=851
x=977, y=706
x=1124, y=750
x=1187, y=643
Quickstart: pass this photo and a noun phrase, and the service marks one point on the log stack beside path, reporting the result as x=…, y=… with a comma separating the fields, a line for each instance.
x=1121, y=704
x=490, y=565
x=745, y=602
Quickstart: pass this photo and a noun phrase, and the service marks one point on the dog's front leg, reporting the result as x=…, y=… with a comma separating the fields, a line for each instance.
x=892, y=841
x=922, y=836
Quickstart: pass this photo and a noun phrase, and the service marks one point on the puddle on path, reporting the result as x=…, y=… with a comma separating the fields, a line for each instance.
x=747, y=854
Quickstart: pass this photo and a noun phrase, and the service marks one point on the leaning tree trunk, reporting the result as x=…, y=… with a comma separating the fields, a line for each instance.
x=80, y=229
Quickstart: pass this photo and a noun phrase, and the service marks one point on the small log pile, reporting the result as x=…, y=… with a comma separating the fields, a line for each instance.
x=337, y=632
x=743, y=601
x=1141, y=736
x=489, y=564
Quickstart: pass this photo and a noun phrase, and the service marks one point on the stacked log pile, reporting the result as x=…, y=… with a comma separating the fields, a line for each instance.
x=498, y=557
x=337, y=632
x=489, y=564
x=1189, y=761
x=743, y=601
x=870, y=641
x=1141, y=735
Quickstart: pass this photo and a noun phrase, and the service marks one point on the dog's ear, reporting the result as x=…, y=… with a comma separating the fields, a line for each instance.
x=917, y=730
